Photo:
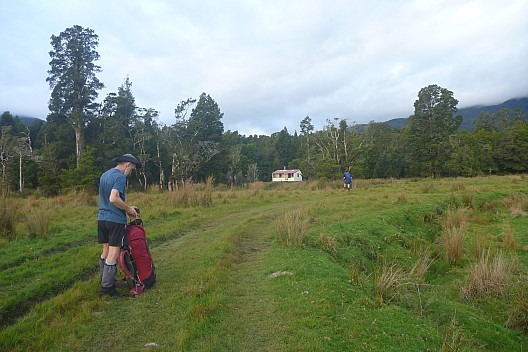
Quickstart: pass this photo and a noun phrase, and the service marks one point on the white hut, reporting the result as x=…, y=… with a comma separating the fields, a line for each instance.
x=286, y=175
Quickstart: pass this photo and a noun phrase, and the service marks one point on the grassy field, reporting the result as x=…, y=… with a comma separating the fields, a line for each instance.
x=392, y=265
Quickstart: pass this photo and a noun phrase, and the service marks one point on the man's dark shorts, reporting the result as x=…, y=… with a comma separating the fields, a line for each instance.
x=113, y=233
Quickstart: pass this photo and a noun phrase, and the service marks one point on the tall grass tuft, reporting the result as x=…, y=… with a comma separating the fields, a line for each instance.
x=455, y=217
x=402, y=198
x=518, y=312
x=420, y=267
x=454, y=224
x=468, y=199
x=518, y=204
x=314, y=185
x=453, y=243
x=206, y=199
x=186, y=193
x=38, y=223
x=79, y=198
x=256, y=187
x=8, y=214
x=453, y=338
x=386, y=281
x=454, y=202
x=478, y=247
x=154, y=189
x=327, y=243
x=291, y=227
x=182, y=193
x=487, y=278
x=458, y=186
x=508, y=238
x=427, y=187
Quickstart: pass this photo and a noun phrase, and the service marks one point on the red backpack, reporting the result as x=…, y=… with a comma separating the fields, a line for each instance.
x=135, y=260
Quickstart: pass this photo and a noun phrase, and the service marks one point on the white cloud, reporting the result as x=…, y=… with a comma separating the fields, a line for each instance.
x=268, y=64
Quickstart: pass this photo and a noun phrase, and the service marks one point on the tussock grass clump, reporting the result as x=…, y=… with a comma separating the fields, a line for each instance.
x=454, y=218
x=38, y=223
x=387, y=279
x=186, y=193
x=508, y=238
x=517, y=213
x=291, y=227
x=154, y=189
x=468, y=199
x=517, y=203
x=517, y=199
x=518, y=312
x=427, y=187
x=488, y=277
x=453, y=243
x=76, y=197
x=420, y=267
x=458, y=186
x=8, y=217
x=314, y=185
x=454, y=225
x=182, y=193
x=327, y=243
x=402, y=198
x=206, y=199
x=256, y=187
x=488, y=205
x=478, y=246
x=454, y=202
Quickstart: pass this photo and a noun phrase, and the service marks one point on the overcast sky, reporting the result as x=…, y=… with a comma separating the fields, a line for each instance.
x=270, y=63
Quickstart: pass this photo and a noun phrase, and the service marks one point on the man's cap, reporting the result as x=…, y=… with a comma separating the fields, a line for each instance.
x=127, y=158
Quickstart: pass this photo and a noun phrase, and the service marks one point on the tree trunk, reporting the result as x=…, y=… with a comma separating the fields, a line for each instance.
x=162, y=174
x=78, y=144
x=20, y=179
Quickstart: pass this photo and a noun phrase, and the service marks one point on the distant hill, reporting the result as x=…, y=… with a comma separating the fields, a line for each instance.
x=470, y=114
x=28, y=120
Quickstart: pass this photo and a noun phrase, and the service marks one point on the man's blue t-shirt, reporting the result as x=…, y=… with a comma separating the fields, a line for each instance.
x=111, y=179
x=348, y=178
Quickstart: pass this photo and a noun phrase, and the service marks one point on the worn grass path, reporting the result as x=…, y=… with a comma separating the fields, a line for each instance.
x=198, y=283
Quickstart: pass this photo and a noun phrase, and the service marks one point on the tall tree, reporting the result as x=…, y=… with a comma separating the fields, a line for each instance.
x=73, y=80
x=178, y=141
x=284, y=149
x=145, y=143
x=113, y=129
x=427, y=133
x=7, y=152
x=512, y=149
x=206, y=124
x=206, y=120
x=378, y=156
x=306, y=131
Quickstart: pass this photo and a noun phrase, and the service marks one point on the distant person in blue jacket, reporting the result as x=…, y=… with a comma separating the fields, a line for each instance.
x=348, y=180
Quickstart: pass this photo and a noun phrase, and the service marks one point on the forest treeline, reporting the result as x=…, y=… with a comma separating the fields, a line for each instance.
x=81, y=136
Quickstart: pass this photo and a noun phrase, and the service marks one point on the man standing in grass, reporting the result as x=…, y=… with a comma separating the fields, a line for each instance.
x=111, y=219
x=348, y=180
